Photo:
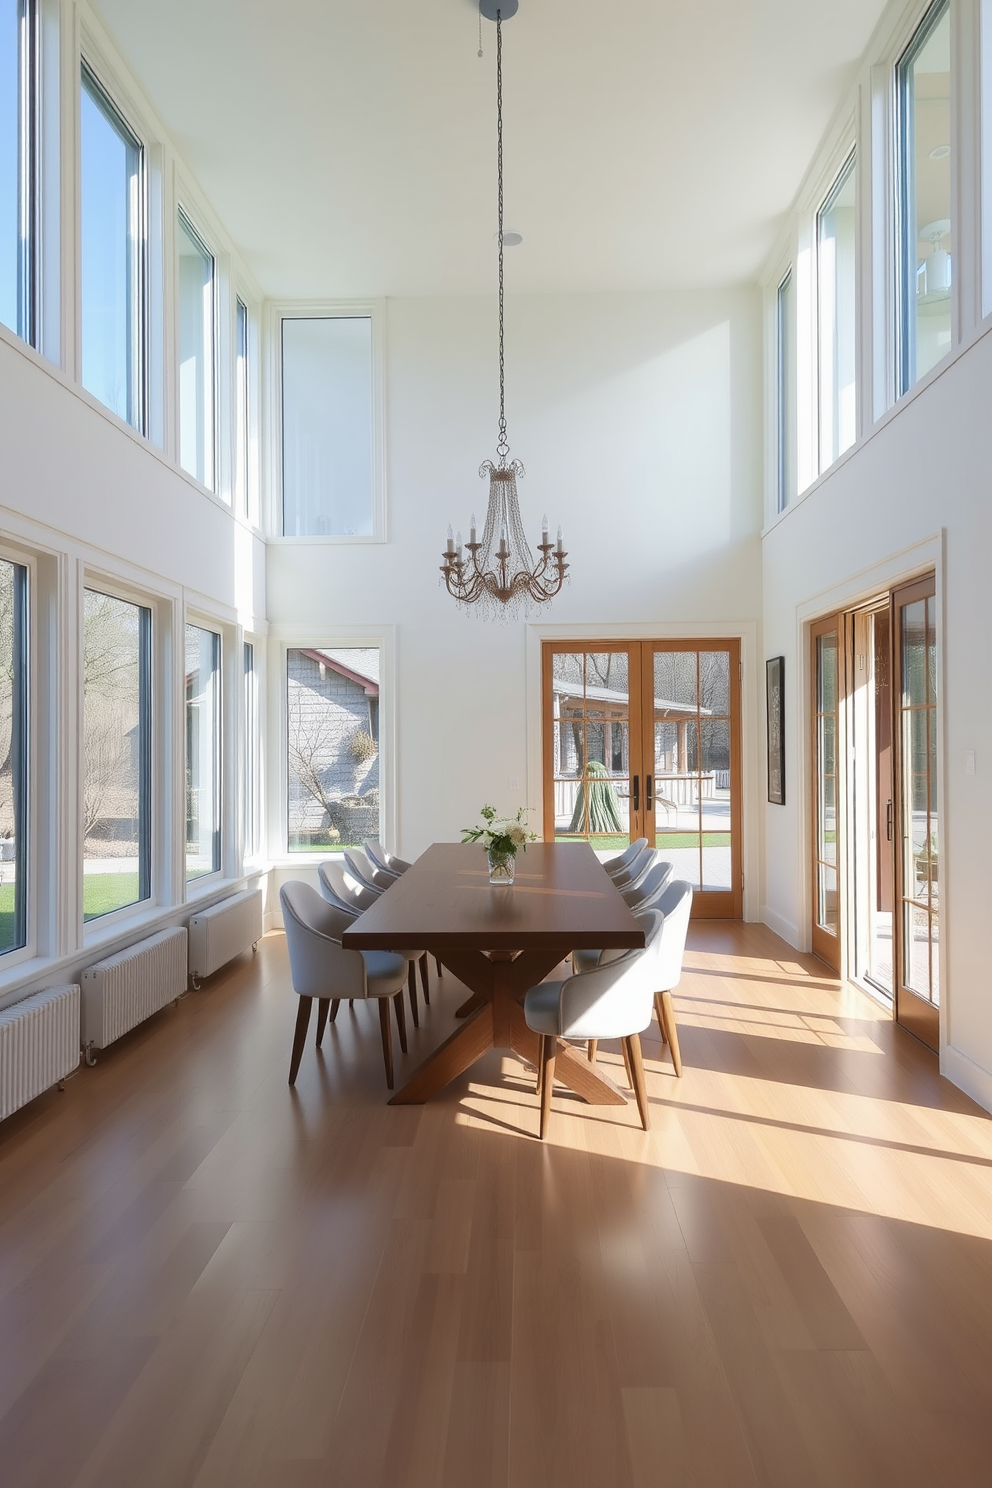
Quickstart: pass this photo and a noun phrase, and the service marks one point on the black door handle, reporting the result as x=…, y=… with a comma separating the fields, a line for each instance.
x=637, y=793
x=888, y=821
x=647, y=787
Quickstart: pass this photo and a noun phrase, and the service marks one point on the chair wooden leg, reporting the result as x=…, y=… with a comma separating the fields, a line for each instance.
x=323, y=1004
x=425, y=980
x=591, y=1051
x=411, y=981
x=400, y=1019
x=387, y=1038
x=659, y=1008
x=548, y=1046
x=335, y=1004
x=300, y=1036
x=438, y=965
x=640, y=1085
x=626, y=1063
x=671, y=1031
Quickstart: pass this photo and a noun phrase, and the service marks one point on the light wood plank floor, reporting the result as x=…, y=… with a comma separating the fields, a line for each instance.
x=207, y=1279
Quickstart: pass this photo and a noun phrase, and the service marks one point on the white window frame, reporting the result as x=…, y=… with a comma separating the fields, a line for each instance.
x=278, y=311
x=37, y=715
x=215, y=485
x=840, y=162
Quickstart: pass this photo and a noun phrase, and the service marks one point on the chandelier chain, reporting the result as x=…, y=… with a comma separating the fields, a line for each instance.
x=502, y=444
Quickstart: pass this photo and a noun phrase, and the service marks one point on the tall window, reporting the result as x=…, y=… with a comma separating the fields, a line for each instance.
x=327, y=465
x=926, y=231
x=13, y=756
x=251, y=842
x=18, y=66
x=197, y=276
x=112, y=237
x=241, y=411
x=332, y=705
x=785, y=336
x=836, y=315
x=202, y=752
x=116, y=753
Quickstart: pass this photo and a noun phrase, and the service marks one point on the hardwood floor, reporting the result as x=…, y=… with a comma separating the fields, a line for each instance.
x=208, y=1279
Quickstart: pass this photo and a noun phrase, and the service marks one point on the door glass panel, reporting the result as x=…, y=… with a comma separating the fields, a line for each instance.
x=714, y=801
x=827, y=897
x=591, y=733
x=914, y=654
x=919, y=844
x=826, y=782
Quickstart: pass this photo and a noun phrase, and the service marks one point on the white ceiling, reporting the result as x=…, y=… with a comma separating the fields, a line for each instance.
x=348, y=145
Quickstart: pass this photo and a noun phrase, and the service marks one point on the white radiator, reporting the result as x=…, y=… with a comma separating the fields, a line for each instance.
x=223, y=931
x=124, y=990
x=39, y=1045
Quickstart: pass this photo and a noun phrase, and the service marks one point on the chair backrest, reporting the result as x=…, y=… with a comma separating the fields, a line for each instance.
x=615, y=1000
x=636, y=869
x=365, y=874
x=619, y=863
x=320, y=965
x=675, y=906
x=386, y=861
x=648, y=891
x=337, y=889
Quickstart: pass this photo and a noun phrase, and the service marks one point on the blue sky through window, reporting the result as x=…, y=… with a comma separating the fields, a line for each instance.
x=110, y=162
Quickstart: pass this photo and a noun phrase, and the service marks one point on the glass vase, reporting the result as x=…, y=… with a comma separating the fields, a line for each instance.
x=501, y=867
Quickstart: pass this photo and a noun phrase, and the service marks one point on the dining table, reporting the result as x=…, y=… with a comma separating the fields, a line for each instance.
x=499, y=941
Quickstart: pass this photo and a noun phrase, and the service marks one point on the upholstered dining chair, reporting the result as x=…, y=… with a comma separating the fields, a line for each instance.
x=629, y=877
x=336, y=889
x=613, y=1001
x=323, y=969
x=645, y=896
x=367, y=874
x=387, y=861
x=622, y=860
x=674, y=902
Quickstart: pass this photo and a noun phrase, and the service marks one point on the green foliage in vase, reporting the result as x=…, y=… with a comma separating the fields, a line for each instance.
x=501, y=834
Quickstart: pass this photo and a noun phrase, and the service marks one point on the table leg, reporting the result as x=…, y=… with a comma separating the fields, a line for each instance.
x=457, y=1054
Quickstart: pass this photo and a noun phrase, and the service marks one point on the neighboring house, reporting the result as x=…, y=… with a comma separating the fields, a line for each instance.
x=333, y=727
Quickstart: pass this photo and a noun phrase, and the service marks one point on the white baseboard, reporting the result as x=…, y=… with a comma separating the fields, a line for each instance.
x=782, y=927
x=967, y=1076
x=272, y=919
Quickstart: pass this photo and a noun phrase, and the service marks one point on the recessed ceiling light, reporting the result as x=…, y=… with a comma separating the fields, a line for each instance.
x=940, y=152
x=510, y=239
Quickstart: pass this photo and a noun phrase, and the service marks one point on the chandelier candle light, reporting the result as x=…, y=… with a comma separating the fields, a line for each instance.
x=499, y=573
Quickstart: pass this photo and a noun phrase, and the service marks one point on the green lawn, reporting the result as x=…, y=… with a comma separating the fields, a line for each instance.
x=103, y=892
x=6, y=916
x=662, y=839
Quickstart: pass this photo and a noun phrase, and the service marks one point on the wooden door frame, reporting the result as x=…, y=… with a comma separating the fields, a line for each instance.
x=642, y=822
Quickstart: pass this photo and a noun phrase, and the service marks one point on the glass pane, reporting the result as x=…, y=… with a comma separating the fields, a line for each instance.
x=934, y=958
x=13, y=756
x=827, y=898
x=241, y=411
x=682, y=848
x=916, y=950
x=788, y=469
x=251, y=843
x=327, y=426
x=928, y=244
x=835, y=280
x=931, y=643
x=592, y=785
x=202, y=752
x=714, y=802
x=333, y=735
x=826, y=673
x=916, y=872
x=12, y=259
x=914, y=653
x=826, y=844
x=110, y=203
x=115, y=754
x=714, y=683
x=675, y=683
x=196, y=355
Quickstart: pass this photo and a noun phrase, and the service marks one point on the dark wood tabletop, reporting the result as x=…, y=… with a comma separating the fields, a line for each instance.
x=562, y=895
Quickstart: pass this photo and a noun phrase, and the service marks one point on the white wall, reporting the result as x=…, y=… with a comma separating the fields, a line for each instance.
x=638, y=420
x=917, y=489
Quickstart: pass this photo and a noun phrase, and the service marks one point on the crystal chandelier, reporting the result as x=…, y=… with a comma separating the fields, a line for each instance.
x=498, y=573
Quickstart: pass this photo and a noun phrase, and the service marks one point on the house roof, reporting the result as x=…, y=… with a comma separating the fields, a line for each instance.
x=592, y=694
x=358, y=663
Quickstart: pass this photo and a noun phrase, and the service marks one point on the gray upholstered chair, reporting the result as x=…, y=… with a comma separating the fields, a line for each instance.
x=352, y=900
x=323, y=969
x=380, y=858
x=674, y=903
x=624, y=859
x=645, y=896
x=630, y=876
x=612, y=1001
x=367, y=874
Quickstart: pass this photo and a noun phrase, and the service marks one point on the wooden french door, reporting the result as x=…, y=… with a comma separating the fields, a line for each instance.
x=917, y=856
x=827, y=673
x=642, y=739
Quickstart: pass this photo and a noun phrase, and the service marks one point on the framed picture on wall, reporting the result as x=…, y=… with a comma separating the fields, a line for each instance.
x=775, y=683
